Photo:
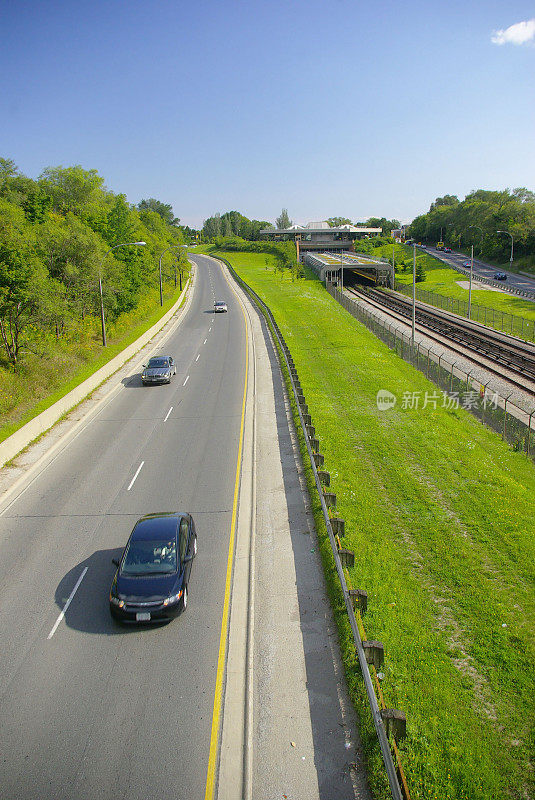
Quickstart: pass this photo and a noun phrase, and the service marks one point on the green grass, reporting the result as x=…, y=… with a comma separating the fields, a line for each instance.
x=42, y=380
x=440, y=513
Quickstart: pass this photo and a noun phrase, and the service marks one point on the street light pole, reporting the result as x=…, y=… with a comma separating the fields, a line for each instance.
x=512, y=242
x=102, y=320
x=471, y=273
x=413, y=294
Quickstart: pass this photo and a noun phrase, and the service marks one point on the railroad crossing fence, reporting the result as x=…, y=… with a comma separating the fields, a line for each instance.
x=514, y=423
x=501, y=320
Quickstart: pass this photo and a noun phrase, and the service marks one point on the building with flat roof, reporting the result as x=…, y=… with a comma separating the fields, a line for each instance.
x=320, y=236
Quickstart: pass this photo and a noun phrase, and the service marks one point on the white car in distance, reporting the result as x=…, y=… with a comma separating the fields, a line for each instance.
x=219, y=306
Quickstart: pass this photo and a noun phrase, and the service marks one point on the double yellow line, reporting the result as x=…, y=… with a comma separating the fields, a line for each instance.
x=218, y=696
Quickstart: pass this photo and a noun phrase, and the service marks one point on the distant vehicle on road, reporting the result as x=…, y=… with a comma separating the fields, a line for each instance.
x=151, y=581
x=220, y=306
x=160, y=369
x=440, y=246
x=500, y=276
x=467, y=265
x=447, y=249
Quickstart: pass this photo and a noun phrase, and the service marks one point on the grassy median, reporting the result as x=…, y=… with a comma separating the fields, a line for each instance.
x=441, y=515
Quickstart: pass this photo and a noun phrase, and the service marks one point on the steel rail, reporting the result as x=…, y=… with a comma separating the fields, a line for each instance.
x=388, y=760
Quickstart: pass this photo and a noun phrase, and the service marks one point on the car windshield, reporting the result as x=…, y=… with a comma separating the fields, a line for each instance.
x=149, y=558
x=158, y=362
x=220, y=303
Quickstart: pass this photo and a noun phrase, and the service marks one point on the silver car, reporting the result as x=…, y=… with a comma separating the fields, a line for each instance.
x=160, y=369
x=219, y=306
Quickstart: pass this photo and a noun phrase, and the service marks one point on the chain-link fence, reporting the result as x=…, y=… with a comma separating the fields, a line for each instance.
x=501, y=320
x=459, y=388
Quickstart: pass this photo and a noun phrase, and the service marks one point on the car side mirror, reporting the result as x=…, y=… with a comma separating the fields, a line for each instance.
x=115, y=561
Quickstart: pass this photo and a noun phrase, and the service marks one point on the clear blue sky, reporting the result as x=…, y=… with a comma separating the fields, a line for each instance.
x=325, y=108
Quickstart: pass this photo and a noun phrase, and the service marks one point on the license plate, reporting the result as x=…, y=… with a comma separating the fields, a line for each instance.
x=142, y=616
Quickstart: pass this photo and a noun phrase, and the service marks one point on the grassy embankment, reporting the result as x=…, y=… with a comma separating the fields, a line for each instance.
x=42, y=379
x=444, y=280
x=440, y=513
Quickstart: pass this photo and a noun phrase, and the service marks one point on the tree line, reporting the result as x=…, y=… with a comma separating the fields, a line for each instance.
x=477, y=219
x=55, y=236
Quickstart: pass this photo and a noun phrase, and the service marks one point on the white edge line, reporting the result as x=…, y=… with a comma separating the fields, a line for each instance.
x=167, y=417
x=205, y=341
x=135, y=476
x=198, y=357
x=187, y=379
x=67, y=604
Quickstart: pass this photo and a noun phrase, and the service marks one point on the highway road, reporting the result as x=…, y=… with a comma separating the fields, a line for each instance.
x=89, y=709
x=480, y=268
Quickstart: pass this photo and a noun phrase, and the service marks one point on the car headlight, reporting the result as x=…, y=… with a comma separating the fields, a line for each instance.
x=173, y=599
x=117, y=601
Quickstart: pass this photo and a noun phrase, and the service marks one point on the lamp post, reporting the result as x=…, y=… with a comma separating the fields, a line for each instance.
x=512, y=243
x=413, y=294
x=471, y=272
x=102, y=320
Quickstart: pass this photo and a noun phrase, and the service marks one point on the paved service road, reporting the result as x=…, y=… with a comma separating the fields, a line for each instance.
x=481, y=269
x=89, y=709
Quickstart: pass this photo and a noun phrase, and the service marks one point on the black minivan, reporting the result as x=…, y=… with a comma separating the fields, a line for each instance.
x=151, y=581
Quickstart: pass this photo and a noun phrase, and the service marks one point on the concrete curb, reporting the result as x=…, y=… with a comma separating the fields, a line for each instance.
x=11, y=446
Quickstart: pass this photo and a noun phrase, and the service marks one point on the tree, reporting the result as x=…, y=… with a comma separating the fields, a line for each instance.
x=72, y=188
x=386, y=225
x=335, y=222
x=419, y=272
x=165, y=210
x=25, y=289
x=284, y=220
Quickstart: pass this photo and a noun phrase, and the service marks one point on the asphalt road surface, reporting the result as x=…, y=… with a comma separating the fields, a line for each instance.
x=481, y=269
x=89, y=709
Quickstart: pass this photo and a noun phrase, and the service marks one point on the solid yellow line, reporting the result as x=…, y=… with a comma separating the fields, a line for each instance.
x=216, y=714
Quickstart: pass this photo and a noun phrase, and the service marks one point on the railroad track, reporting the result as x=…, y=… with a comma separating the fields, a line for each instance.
x=507, y=351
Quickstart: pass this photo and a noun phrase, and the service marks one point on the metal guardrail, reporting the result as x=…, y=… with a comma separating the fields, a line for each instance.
x=377, y=712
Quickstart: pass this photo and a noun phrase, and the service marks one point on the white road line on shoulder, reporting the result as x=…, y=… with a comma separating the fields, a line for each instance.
x=198, y=357
x=135, y=476
x=167, y=417
x=67, y=604
x=209, y=329
x=205, y=341
x=187, y=379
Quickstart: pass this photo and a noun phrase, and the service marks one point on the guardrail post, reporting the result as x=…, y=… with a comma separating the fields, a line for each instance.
x=395, y=723
x=359, y=598
x=330, y=499
x=374, y=652
x=319, y=458
x=338, y=525
x=311, y=430
x=325, y=477
x=315, y=445
x=347, y=558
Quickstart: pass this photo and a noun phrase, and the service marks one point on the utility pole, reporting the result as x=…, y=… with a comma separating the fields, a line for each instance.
x=413, y=293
